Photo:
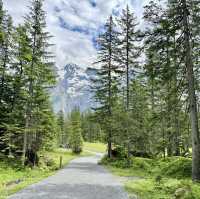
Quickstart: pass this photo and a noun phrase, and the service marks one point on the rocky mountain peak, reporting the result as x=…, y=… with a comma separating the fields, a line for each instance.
x=73, y=89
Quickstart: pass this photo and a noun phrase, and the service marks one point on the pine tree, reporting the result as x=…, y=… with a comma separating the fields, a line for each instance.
x=129, y=52
x=91, y=130
x=16, y=109
x=155, y=49
x=39, y=75
x=172, y=56
x=186, y=14
x=6, y=55
x=6, y=58
x=75, y=139
x=129, y=49
x=105, y=85
x=26, y=73
x=61, y=122
x=189, y=63
x=134, y=121
x=164, y=73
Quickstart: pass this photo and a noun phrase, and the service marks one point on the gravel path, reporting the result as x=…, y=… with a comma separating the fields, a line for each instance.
x=83, y=178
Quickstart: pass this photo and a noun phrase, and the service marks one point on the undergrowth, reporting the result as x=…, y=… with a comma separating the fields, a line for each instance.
x=168, y=178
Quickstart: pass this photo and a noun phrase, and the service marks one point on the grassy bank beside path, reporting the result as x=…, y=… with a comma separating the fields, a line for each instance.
x=14, y=178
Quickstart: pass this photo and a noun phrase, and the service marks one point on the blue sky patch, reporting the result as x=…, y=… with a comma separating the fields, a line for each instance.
x=83, y=30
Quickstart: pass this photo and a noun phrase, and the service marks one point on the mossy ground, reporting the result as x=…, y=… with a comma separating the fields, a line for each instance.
x=159, y=178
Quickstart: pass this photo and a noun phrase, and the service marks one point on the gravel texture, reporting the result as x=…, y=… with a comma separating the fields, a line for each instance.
x=83, y=178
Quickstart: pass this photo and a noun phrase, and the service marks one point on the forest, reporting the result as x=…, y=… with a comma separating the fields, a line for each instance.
x=146, y=93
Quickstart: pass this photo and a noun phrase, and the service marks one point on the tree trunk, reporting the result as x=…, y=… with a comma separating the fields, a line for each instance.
x=5, y=62
x=25, y=142
x=109, y=91
x=176, y=102
x=163, y=133
x=127, y=62
x=127, y=85
x=110, y=146
x=192, y=96
x=177, y=134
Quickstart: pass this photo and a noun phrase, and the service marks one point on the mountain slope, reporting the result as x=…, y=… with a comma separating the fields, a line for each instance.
x=73, y=90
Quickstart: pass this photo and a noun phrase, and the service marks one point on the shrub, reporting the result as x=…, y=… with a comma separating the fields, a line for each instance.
x=119, y=152
x=47, y=163
x=134, y=163
x=142, y=163
x=178, y=168
x=142, y=154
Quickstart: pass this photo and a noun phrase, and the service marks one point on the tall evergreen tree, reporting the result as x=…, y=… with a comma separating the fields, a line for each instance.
x=185, y=15
x=174, y=62
x=189, y=63
x=15, y=123
x=26, y=73
x=129, y=52
x=128, y=48
x=61, y=121
x=164, y=73
x=75, y=138
x=39, y=75
x=6, y=58
x=105, y=85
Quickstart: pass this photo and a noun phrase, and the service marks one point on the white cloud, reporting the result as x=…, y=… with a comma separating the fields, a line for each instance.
x=16, y=8
x=71, y=45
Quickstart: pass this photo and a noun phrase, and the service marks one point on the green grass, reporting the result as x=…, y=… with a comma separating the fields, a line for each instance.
x=140, y=167
x=95, y=147
x=168, y=188
x=159, y=178
x=11, y=171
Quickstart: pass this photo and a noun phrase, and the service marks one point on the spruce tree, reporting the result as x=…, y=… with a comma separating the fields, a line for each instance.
x=105, y=85
x=128, y=54
x=26, y=73
x=164, y=72
x=75, y=138
x=189, y=63
x=174, y=50
x=61, y=122
x=6, y=58
x=128, y=48
x=186, y=14
x=39, y=75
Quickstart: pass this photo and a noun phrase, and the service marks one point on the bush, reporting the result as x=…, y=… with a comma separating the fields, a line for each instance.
x=178, y=168
x=119, y=152
x=47, y=163
x=142, y=154
x=142, y=163
x=167, y=188
x=118, y=163
x=135, y=163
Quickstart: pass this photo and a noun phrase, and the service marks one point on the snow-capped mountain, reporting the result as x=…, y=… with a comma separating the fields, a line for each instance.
x=73, y=90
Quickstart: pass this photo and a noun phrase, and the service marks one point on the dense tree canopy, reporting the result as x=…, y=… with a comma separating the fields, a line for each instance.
x=26, y=71
x=160, y=91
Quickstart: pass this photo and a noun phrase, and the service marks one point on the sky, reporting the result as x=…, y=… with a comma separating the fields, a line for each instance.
x=74, y=24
